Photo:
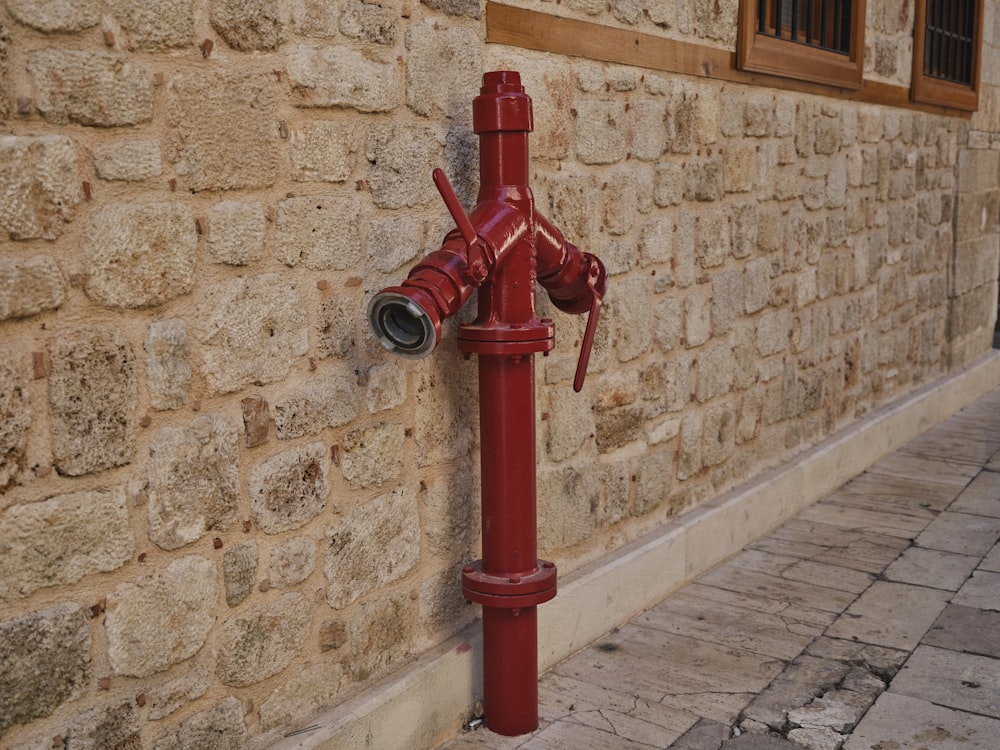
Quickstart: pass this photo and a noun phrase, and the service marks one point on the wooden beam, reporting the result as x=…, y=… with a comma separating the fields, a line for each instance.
x=544, y=32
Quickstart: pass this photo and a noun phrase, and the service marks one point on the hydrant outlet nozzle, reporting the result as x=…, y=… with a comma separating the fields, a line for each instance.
x=403, y=326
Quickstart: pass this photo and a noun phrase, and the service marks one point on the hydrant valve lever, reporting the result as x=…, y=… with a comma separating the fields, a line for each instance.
x=477, y=266
x=504, y=251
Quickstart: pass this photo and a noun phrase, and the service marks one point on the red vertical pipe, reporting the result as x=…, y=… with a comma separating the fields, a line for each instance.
x=510, y=647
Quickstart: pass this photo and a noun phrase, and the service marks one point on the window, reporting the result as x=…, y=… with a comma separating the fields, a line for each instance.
x=947, y=38
x=812, y=40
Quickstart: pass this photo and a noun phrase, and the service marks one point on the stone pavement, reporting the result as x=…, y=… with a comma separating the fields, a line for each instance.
x=869, y=622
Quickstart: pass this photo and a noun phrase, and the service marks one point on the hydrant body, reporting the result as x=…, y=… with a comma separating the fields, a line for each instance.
x=504, y=248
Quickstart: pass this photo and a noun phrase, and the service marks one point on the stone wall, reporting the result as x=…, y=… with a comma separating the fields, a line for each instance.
x=223, y=506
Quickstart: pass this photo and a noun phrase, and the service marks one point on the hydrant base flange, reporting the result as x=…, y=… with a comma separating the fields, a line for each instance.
x=509, y=591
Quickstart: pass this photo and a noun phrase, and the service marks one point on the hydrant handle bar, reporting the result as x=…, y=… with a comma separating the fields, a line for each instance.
x=597, y=299
x=477, y=266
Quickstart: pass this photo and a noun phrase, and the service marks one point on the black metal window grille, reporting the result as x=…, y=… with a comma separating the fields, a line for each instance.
x=825, y=24
x=949, y=40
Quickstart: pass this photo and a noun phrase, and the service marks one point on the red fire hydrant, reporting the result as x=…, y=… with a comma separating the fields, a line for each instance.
x=502, y=249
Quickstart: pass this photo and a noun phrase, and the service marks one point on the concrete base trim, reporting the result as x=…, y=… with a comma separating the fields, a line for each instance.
x=429, y=700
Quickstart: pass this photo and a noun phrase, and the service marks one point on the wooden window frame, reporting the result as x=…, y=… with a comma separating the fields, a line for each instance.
x=762, y=53
x=930, y=90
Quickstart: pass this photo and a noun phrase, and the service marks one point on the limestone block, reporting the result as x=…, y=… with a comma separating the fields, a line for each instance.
x=570, y=424
x=756, y=285
x=714, y=238
x=445, y=408
x=680, y=117
x=97, y=432
x=239, y=571
x=386, y=387
x=39, y=186
x=744, y=228
x=684, y=265
x=615, y=428
x=263, y=641
x=740, y=168
x=715, y=371
x=727, y=299
x=131, y=161
x=292, y=562
x=168, y=368
x=444, y=68
x=468, y=8
x=63, y=539
x=223, y=132
x=375, y=544
x=600, y=131
x=373, y=456
x=773, y=327
x=114, y=724
x=15, y=420
x=655, y=477
x=400, y=158
x=703, y=179
x=338, y=325
x=381, y=635
x=656, y=241
x=327, y=401
x=256, y=26
x=289, y=489
x=668, y=186
x=689, y=460
x=648, y=135
x=667, y=323
x=140, y=255
x=369, y=22
x=337, y=76
x=697, y=318
x=90, y=88
x=220, y=727
x=758, y=114
x=442, y=605
x=451, y=512
x=56, y=15
x=236, y=232
x=321, y=151
x=631, y=318
x=165, y=698
x=308, y=690
x=193, y=481
x=162, y=618
x=29, y=286
x=154, y=24
x=568, y=500
x=619, y=199
x=573, y=205
x=44, y=662
x=719, y=433
x=320, y=232
x=252, y=329
x=393, y=242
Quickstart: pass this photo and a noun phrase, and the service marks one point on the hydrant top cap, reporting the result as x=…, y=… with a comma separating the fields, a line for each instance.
x=502, y=82
x=502, y=104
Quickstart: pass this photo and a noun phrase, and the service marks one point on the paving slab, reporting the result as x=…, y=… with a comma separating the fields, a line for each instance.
x=900, y=494
x=974, y=631
x=755, y=602
x=710, y=680
x=881, y=660
x=774, y=635
x=897, y=721
x=992, y=560
x=891, y=614
x=961, y=532
x=850, y=516
x=969, y=682
x=705, y=735
x=832, y=576
x=926, y=468
x=981, y=497
x=932, y=567
x=857, y=549
x=732, y=577
x=564, y=735
x=982, y=590
x=804, y=679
